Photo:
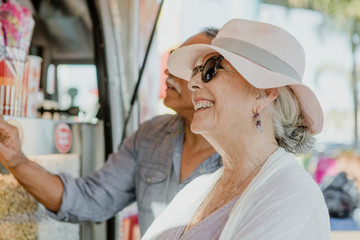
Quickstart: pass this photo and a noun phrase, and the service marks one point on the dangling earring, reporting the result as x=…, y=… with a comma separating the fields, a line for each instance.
x=258, y=122
x=257, y=118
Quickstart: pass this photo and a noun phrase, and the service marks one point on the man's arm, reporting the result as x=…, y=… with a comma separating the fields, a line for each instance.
x=44, y=186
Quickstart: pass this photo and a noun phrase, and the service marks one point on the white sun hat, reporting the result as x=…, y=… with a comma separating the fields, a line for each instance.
x=265, y=55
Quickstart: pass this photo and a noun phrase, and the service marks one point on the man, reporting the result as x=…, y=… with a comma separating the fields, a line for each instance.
x=152, y=165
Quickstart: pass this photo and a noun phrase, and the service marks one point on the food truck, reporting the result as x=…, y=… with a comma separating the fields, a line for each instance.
x=77, y=85
x=59, y=93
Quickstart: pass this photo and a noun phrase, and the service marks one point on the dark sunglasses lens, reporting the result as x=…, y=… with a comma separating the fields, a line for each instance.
x=209, y=70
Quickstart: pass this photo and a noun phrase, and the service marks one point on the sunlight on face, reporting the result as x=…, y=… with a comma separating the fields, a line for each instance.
x=230, y=102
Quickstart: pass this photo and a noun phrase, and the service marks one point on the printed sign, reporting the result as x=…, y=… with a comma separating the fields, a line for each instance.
x=63, y=138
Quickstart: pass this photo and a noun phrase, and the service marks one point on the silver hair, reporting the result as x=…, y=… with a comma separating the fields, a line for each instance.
x=290, y=132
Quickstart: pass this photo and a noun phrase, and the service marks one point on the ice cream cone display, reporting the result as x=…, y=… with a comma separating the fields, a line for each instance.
x=16, y=25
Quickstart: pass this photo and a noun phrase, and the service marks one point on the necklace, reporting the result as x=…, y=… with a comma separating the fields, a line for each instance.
x=219, y=204
x=236, y=187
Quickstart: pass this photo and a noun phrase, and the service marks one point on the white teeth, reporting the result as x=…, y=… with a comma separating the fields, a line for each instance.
x=203, y=105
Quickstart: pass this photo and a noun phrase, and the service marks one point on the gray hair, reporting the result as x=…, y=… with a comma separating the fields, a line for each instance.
x=290, y=132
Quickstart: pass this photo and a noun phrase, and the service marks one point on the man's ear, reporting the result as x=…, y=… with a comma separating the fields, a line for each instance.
x=270, y=95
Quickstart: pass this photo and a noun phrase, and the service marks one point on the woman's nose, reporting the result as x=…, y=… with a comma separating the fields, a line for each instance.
x=195, y=82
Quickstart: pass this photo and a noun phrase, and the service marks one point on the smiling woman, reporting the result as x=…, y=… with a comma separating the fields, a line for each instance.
x=251, y=105
x=220, y=86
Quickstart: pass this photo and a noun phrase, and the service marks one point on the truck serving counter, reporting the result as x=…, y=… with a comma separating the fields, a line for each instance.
x=57, y=146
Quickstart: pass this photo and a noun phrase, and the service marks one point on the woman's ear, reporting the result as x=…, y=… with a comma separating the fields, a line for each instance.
x=271, y=94
x=264, y=100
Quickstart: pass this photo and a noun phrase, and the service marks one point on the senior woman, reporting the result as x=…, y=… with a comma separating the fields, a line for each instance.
x=251, y=105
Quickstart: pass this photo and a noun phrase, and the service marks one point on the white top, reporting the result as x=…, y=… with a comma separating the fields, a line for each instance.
x=281, y=202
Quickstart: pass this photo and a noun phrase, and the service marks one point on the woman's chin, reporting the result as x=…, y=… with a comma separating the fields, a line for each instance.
x=195, y=128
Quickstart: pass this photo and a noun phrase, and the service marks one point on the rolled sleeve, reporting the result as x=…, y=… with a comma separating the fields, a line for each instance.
x=67, y=198
x=99, y=196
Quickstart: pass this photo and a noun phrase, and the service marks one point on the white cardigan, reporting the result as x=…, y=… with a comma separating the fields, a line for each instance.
x=281, y=202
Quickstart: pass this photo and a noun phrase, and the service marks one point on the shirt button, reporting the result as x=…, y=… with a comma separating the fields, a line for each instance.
x=148, y=180
x=201, y=171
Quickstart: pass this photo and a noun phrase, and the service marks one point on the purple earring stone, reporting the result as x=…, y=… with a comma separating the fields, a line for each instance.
x=258, y=122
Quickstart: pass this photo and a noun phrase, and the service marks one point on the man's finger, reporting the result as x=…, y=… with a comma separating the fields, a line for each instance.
x=5, y=128
x=3, y=124
x=3, y=150
x=2, y=147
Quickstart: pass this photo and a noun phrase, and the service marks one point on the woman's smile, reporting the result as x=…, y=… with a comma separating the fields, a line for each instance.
x=201, y=104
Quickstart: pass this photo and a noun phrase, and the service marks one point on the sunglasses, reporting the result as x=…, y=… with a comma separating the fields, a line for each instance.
x=209, y=69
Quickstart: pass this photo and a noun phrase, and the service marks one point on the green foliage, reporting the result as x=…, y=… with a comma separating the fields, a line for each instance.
x=343, y=14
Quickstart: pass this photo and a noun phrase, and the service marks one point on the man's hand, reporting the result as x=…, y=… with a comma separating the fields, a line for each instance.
x=11, y=154
x=44, y=186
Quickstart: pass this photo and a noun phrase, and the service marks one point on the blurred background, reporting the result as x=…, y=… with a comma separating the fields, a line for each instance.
x=92, y=53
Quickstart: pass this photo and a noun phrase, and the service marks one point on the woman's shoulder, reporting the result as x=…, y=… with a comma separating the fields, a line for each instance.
x=293, y=178
x=282, y=177
x=285, y=194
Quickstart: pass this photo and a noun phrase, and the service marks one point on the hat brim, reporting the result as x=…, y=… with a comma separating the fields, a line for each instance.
x=183, y=60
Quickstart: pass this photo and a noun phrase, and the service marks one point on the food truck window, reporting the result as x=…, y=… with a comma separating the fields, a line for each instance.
x=77, y=87
x=50, y=81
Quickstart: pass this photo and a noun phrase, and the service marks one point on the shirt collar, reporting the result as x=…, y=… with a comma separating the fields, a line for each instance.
x=176, y=126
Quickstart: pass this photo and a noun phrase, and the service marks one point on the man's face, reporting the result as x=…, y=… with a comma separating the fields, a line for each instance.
x=178, y=95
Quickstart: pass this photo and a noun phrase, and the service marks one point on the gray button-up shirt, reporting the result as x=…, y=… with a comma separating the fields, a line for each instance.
x=146, y=169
